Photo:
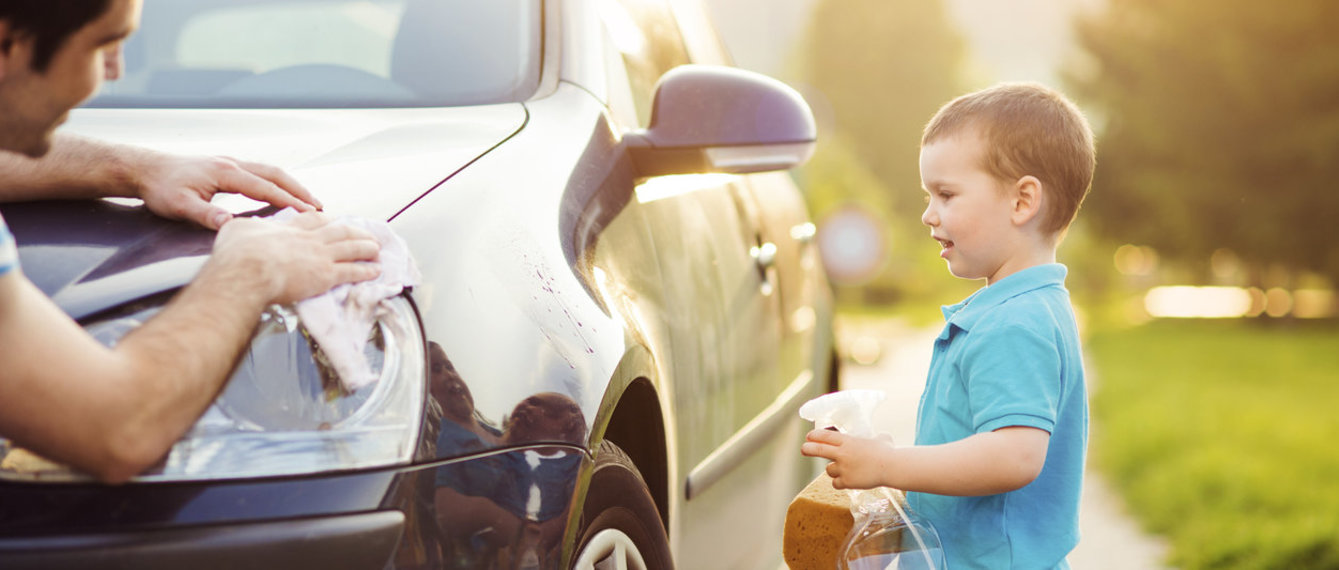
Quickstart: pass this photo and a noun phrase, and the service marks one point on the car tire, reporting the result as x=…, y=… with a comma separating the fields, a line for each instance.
x=620, y=525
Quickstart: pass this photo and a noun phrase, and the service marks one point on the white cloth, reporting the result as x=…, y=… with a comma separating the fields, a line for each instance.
x=341, y=319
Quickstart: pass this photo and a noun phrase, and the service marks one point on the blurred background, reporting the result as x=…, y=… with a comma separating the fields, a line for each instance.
x=1203, y=263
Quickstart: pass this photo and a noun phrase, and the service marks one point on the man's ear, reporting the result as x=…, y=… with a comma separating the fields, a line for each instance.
x=1028, y=196
x=6, y=46
x=11, y=41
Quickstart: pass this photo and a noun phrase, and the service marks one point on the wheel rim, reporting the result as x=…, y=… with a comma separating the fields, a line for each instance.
x=610, y=549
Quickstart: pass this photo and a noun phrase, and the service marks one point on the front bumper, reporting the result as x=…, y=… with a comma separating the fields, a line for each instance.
x=366, y=540
x=443, y=515
x=352, y=520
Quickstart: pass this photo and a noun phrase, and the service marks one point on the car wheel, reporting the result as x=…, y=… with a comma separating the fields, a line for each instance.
x=620, y=526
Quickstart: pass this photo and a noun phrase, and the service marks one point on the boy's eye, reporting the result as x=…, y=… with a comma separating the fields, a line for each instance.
x=937, y=194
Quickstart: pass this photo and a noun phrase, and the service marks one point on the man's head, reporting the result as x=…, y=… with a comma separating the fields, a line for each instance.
x=1026, y=130
x=447, y=387
x=53, y=56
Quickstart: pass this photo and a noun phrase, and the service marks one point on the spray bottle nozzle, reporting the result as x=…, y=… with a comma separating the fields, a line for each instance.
x=850, y=411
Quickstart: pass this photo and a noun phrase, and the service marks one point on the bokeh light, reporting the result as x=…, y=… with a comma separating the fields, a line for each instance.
x=1197, y=302
x=1135, y=260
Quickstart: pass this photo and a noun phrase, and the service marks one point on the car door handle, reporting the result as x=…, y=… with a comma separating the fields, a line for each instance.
x=804, y=233
x=764, y=255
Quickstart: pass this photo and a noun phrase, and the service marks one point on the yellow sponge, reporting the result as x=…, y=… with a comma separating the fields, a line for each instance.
x=817, y=523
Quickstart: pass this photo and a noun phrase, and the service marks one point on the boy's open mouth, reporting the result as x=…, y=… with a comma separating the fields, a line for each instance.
x=944, y=244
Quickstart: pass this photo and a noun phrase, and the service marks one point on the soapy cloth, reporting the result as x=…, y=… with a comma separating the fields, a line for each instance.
x=340, y=319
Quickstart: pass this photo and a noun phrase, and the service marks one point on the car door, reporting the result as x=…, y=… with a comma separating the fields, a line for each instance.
x=722, y=315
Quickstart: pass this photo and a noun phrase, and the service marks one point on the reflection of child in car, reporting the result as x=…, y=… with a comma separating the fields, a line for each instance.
x=510, y=499
x=545, y=417
x=534, y=484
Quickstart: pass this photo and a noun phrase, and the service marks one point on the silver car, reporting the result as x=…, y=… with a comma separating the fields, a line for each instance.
x=621, y=307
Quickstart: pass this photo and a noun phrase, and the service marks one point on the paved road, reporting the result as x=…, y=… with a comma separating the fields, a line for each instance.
x=1110, y=538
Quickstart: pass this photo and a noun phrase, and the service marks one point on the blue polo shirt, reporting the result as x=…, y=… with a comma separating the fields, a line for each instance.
x=1009, y=356
x=9, y=254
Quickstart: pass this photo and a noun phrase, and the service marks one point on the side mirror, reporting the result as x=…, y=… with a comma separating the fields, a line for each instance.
x=722, y=119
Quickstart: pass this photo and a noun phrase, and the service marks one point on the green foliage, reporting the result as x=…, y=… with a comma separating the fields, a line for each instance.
x=1221, y=437
x=1220, y=128
x=878, y=70
x=884, y=68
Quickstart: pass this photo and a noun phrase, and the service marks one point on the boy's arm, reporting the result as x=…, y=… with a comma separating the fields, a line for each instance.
x=173, y=186
x=983, y=464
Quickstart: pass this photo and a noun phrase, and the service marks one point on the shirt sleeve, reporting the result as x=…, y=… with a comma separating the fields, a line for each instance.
x=9, y=254
x=1013, y=379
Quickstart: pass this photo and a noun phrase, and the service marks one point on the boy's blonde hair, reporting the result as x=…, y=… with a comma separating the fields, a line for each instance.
x=1028, y=129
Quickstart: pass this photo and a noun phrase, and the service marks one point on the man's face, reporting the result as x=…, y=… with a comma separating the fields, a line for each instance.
x=32, y=103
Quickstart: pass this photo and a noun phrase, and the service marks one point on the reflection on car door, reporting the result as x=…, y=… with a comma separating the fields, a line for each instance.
x=723, y=322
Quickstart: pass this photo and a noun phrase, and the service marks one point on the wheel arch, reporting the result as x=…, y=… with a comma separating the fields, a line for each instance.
x=636, y=423
x=638, y=427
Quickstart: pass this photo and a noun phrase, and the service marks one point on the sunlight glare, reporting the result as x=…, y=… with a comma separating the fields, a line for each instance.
x=1180, y=301
x=662, y=187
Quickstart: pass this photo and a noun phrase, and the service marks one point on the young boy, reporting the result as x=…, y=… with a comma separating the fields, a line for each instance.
x=1002, y=427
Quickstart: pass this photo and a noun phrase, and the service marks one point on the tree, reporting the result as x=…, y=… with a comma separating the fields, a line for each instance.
x=880, y=69
x=1220, y=128
x=884, y=67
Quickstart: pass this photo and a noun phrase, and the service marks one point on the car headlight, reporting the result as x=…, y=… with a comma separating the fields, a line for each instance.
x=283, y=411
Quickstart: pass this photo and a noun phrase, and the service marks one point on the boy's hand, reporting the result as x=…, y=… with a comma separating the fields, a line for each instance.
x=857, y=462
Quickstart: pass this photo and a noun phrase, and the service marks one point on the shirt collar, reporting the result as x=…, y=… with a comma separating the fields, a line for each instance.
x=964, y=315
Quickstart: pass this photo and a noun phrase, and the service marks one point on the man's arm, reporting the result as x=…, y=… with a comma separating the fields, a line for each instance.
x=114, y=412
x=172, y=186
x=983, y=464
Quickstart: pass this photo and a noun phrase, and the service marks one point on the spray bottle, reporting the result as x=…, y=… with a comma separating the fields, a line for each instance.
x=886, y=534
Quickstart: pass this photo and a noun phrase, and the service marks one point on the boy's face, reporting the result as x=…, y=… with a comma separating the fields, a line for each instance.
x=33, y=103
x=968, y=210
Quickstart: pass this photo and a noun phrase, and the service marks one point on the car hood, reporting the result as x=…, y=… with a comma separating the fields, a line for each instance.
x=93, y=255
x=368, y=162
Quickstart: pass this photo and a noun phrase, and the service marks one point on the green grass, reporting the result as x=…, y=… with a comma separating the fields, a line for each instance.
x=1222, y=436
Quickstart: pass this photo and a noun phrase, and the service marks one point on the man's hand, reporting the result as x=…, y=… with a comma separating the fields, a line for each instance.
x=857, y=462
x=180, y=187
x=299, y=258
x=173, y=186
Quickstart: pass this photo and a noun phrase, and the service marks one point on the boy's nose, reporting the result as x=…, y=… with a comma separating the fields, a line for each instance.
x=928, y=217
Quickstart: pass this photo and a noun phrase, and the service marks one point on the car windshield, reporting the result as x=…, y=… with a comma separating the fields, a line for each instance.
x=329, y=53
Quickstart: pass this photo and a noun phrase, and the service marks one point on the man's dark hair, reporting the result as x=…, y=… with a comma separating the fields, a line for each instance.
x=51, y=22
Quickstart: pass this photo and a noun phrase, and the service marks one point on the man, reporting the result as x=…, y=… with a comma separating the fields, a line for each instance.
x=114, y=412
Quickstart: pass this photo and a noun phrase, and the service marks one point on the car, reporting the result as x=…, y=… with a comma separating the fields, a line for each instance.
x=621, y=306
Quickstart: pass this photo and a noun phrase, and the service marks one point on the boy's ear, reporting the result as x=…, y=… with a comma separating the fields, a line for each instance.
x=1027, y=199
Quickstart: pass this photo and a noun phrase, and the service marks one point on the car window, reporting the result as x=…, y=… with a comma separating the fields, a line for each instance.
x=356, y=34
x=645, y=33
x=329, y=53
x=700, y=35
